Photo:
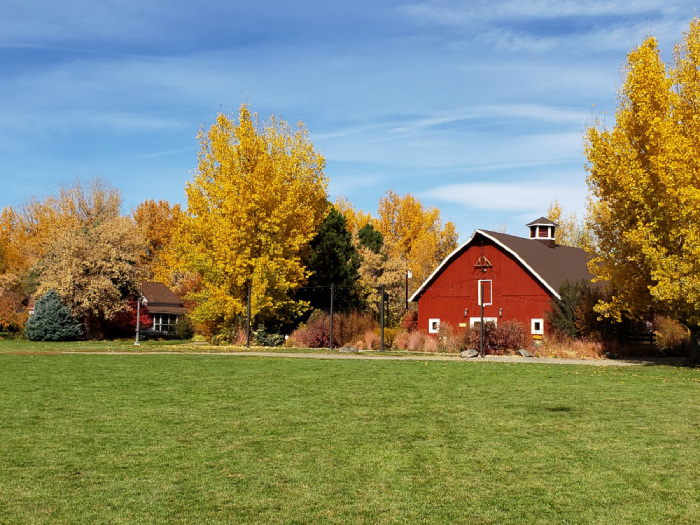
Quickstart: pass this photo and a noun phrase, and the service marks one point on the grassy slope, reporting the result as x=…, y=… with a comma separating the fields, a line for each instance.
x=205, y=439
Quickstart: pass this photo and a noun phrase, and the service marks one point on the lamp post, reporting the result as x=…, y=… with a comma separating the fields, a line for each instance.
x=138, y=319
x=409, y=274
x=381, y=315
x=481, y=344
x=330, y=342
x=247, y=330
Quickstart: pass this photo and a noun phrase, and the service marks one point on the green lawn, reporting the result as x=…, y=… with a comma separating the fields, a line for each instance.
x=213, y=439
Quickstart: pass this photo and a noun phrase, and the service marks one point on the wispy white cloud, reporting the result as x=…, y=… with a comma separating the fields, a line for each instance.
x=608, y=38
x=531, y=112
x=514, y=197
x=448, y=13
x=164, y=153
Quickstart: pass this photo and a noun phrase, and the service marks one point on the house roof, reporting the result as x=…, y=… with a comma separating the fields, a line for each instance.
x=550, y=266
x=157, y=309
x=160, y=299
x=542, y=221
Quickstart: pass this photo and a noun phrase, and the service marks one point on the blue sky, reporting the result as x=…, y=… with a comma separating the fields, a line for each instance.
x=478, y=108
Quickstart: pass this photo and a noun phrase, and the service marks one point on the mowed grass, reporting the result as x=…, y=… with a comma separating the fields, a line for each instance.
x=215, y=439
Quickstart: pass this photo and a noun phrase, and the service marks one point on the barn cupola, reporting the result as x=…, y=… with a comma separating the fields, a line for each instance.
x=543, y=230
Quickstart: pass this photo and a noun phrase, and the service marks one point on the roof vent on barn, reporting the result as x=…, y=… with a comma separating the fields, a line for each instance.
x=543, y=230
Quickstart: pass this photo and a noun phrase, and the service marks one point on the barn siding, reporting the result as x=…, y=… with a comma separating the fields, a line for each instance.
x=515, y=289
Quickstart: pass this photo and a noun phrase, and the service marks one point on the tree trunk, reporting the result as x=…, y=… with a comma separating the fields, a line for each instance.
x=694, y=345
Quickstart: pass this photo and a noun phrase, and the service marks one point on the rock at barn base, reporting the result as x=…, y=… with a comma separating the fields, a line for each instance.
x=524, y=353
x=469, y=353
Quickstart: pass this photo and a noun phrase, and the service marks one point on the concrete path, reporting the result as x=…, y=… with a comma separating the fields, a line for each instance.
x=487, y=359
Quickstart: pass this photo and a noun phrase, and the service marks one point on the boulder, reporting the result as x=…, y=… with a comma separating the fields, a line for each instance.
x=469, y=353
x=610, y=355
x=348, y=350
x=524, y=353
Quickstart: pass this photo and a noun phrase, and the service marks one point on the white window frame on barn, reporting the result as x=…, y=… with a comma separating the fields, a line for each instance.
x=490, y=294
x=476, y=320
x=535, y=331
x=433, y=326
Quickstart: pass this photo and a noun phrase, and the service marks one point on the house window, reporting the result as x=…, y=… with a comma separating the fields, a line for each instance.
x=488, y=295
x=537, y=326
x=433, y=326
x=164, y=322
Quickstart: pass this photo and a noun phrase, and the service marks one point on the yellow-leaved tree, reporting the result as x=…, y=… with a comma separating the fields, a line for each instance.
x=415, y=233
x=77, y=243
x=571, y=230
x=94, y=269
x=11, y=258
x=29, y=232
x=644, y=176
x=354, y=218
x=256, y=201
x=158, y=223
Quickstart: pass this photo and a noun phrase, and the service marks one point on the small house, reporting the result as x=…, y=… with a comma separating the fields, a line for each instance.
x=513, y=277
x=164, y=306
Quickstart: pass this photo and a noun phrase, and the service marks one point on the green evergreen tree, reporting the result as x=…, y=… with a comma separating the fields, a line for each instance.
x=52, y=320
x=333, y=260
x=371, y=238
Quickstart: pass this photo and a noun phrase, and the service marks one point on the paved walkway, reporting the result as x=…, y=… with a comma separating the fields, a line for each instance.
x=487, y=359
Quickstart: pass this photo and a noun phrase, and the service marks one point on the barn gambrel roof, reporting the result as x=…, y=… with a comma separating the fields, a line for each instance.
x=550, y=266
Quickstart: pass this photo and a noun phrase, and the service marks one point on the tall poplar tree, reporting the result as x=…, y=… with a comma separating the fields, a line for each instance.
x=644, y=176
x=256, y=201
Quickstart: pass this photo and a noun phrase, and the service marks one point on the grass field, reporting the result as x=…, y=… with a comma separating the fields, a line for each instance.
x=212, y=439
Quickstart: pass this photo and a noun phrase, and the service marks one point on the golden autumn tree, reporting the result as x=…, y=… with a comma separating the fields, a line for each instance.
x=415, y=233
x=76, y=242
x=381, y=269
x=158, y=223
x=644, y=176
x=256, y=201
x=76, y=206
x=11, y=258
x=571, y=230
x=355, y=219
x=32, y=229
x=95, y=270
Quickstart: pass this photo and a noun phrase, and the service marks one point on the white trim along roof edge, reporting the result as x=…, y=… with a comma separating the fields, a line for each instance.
x=447, y=259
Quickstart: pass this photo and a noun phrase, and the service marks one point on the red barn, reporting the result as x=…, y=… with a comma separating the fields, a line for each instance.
x=519, y=276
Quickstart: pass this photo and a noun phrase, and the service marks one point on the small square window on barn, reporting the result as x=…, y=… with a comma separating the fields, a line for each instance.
x=433, y=326
x=537, y=326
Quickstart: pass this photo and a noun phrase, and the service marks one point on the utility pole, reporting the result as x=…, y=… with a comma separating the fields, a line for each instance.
x=330, y=341
x=247, y=335
x=381, y=314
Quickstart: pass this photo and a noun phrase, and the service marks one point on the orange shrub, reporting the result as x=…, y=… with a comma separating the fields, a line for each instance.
x=566, y=348
x=12, y=315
